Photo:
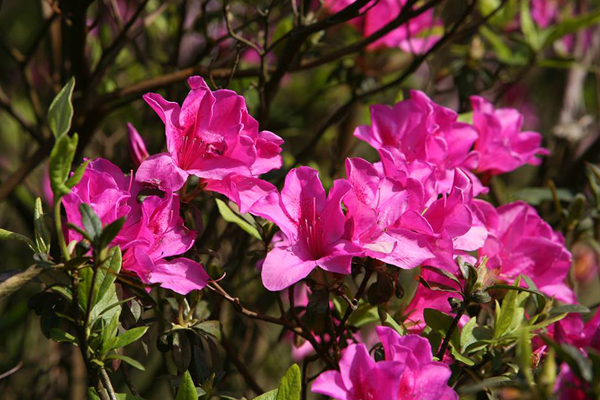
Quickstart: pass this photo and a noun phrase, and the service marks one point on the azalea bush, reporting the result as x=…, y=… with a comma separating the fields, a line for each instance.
x=335, y=199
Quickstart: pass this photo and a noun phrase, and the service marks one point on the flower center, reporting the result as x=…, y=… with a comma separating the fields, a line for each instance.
x=193, y=149
x=310, y=228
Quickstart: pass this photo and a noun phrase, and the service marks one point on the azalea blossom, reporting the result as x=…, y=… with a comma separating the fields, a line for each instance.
x=162, y=234
x=501, y=145
x=211, y=135
x=520, y=242
x=153, y=230
x=415, y=36
x=313, y=226
x=111, y=195
x=374, y=205
x=408, y=372
x=419, y=130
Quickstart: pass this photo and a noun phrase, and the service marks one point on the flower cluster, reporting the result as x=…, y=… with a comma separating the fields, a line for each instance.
x=407, y=373
x=416, y=206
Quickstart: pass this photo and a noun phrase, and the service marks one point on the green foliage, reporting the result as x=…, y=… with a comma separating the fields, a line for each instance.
x=187, y=389
x=289, y=388
x=230, y=216
x=60, y=113
x=61, y=159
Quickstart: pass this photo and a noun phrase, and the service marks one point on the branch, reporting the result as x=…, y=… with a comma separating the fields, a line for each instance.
x=405, y=16
x=232, y=354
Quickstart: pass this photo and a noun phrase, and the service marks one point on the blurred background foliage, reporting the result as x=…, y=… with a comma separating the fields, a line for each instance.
x=121, y=49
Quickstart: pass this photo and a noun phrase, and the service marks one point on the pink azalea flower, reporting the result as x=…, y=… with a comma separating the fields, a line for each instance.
x=109, y=193
x=569, y=387
x=313, y=226
x=374, y=205
x=161, y=234
x=417, y=129
x=574, y=331
x=520, y=242
x=210, y=136
x=415, y=36
x=501, y=144
x=153, y=230
x=137, y=147
x=408, y=372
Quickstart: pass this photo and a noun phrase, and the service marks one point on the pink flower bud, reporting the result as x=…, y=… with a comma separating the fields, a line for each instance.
x=137, y=147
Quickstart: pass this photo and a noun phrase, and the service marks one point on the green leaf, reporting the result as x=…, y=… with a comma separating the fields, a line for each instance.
x=270, y=395
x=440, y=322
x=86, y=275
x=41, y=232
x=109, y=232
x=501, y=49
x=61, y=159
x=128, y=337
x=212, y=328
x=92, y=394
x=530, y=31
x=569, y=308
x=134, y=363
x=108, y=271
x=59, y=335
x=516, y=289
x=14, y=283
x=90, y=220
x=60, y=112
x=508, y=311
x=570, y=25
x=466, y=334
x=390, y=322
x=77, y=174
x=187, y=389
x=8, y=235
x=230, y=216
x=290, y=386
x=485, y=384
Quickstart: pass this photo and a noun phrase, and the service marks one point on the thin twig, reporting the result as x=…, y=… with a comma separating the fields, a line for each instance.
x=243, y=370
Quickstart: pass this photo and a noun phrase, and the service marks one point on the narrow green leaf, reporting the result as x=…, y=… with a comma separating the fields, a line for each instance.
x=485, y=384
x=569, y=308
x=230, y=216
x=59, y=335
x=128, y=360
x=14, y=283
x=60, y=112
x=569, y=26
x=8, y=235
x=86, y=275
x=508, y=310
x=41, y=231
x=530, y=31
x=290, y=386
x=77, y=174
x=61, y=159
x=515, y=288
x=128, y=337
x=466, y=334
x=107, y=273
x=109, y=232
x=90, y=221
x=441, y=322
x=187, y=389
